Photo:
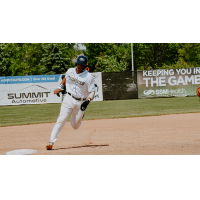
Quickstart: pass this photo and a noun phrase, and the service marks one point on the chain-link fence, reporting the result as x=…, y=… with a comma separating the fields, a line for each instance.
x=119, y=85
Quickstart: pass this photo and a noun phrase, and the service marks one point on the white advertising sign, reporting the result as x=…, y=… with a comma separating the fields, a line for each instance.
x=36, y=89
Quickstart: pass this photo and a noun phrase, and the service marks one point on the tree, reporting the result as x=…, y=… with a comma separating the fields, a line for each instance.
x=57, y=58
x=188, y=57
x=19, y=59
x=154, y=55
x=5, y=54
x=106, y=56
x=110, y=64
x=94, y=50
x=33, y=56
x=190, y=53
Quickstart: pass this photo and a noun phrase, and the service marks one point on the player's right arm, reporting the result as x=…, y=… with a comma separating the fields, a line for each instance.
x=61, y=87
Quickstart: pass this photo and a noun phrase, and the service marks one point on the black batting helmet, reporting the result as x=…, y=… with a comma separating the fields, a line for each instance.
x=82, y=60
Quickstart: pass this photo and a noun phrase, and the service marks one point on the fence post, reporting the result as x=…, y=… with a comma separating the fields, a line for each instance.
x=132, y=56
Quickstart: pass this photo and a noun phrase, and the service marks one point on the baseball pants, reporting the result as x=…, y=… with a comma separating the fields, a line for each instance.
x=69, y=106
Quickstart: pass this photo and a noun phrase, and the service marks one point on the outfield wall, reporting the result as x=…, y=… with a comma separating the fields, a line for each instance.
x=168, y=82
x=16, y=90
x=36, y=89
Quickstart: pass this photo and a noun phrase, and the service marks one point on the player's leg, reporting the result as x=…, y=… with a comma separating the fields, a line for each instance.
x=76, y=116
x=66, y=109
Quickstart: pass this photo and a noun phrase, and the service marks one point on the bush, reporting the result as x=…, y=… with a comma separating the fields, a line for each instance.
x=110, y=64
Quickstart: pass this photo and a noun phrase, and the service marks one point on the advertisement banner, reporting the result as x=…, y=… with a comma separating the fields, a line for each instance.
x=36, y=89
x=168, y=82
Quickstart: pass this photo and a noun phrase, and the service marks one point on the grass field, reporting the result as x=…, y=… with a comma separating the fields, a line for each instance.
x=42, y=113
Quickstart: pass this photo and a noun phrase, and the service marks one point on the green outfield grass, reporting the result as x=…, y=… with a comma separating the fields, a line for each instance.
x=34, y=114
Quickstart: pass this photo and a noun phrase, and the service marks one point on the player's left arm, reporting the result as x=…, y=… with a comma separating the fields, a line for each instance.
x=87, y=101
x=91, y=90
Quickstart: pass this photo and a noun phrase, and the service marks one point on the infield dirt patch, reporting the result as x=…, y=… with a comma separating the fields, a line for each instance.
x=176, y=134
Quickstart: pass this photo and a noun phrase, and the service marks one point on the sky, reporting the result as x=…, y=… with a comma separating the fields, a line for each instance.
x=81, y=46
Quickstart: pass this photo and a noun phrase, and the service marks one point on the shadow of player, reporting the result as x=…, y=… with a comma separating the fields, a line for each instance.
x=88, y=145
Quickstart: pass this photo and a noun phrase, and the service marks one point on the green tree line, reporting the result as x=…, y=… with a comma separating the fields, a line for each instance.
x=18, y=59
x=117, y=57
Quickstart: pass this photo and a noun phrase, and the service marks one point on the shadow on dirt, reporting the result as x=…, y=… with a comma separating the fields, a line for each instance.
x=89, y=145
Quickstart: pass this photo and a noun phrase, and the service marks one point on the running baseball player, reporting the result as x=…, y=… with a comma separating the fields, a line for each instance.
x=80, y=89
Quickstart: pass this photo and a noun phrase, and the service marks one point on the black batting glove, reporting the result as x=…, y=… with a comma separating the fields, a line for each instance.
x=85, y=104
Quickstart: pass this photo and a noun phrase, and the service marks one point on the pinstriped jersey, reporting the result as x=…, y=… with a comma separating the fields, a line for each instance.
x=79, y=85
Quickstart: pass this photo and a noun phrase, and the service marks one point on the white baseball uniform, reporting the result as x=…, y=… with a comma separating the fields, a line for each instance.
x=78, y=88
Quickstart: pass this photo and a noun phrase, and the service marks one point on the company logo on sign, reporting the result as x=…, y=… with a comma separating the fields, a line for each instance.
x=165, y=92
x=149, y=92
x=29, y=97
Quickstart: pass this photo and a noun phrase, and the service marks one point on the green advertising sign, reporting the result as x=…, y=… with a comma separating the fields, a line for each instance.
x=168, y=82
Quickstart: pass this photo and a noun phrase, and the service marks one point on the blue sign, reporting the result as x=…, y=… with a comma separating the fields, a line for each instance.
x=29, y=79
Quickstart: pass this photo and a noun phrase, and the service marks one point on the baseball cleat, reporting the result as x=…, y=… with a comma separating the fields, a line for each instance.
x=49, y=146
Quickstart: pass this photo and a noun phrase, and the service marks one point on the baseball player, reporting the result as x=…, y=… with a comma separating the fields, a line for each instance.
x=80, y=90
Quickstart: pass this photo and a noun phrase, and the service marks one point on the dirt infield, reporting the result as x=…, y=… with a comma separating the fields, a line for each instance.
x=157, y=135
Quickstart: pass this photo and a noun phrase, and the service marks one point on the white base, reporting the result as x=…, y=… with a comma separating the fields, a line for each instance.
x=21, y=152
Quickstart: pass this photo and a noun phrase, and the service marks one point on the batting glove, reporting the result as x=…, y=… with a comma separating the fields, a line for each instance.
x=85, y=104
